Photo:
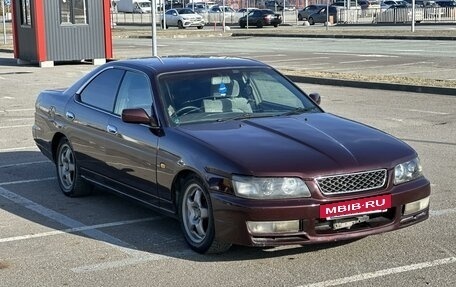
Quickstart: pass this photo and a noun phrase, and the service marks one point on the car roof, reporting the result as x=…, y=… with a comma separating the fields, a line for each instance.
x=159, y=65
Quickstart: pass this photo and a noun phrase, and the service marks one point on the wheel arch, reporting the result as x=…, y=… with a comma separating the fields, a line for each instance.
x=55, y=144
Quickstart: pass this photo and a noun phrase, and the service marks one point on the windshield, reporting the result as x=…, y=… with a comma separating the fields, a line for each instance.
x=231, y=94
x=144, y=4
x=186, y=11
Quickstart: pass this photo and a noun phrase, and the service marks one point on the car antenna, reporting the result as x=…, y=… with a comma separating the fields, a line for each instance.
x=159, y=58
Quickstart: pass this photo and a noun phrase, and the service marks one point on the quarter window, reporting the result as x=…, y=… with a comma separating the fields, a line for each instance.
x=73, y=11
x=101, y=91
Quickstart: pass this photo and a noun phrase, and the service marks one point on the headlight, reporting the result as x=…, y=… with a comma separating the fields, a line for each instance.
x=270, y=187
x=407, y=171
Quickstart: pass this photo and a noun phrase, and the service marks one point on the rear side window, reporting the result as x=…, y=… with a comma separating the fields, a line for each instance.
x=101, y=91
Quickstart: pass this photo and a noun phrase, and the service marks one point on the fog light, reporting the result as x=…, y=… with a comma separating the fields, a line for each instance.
x=416, y=206
x=273, y=226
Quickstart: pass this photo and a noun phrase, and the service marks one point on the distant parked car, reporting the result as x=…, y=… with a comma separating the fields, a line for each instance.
x=399, y=14
x=446, y=3
x=260, y=18
x=246, y=10
x=219, y=9
x=199, y=8
x=321, y=15
x=309, y=10
x=183, y=18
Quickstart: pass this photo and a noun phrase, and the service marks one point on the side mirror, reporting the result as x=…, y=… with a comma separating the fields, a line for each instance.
x=138, y=116
x=315, y=97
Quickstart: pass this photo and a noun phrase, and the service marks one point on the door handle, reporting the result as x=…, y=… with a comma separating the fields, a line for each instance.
x=111, y=129
x=69, y=116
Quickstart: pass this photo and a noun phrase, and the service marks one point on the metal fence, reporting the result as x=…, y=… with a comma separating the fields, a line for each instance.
x=210, y=18
x=398, y=15
x=354, y=15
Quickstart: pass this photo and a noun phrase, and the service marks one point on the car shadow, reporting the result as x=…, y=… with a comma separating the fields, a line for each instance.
x=29, y=189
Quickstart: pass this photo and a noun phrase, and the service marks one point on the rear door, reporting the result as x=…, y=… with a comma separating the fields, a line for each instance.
x=89, y=114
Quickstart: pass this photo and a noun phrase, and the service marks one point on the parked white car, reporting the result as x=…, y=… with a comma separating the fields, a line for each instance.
x=399, y=15
x=183, y=18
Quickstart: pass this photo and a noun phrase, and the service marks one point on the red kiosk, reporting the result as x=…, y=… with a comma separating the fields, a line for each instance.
x=46, y=31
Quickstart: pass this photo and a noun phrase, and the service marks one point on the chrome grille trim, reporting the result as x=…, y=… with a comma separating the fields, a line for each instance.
x=352, y=182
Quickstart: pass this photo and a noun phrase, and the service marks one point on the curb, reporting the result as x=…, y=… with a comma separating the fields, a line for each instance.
x=374, y=85
x=337, y=36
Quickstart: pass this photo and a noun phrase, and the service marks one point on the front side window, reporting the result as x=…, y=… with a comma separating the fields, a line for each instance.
x=134, y=92
x=26, y=18
x=101, y=91
x=73, y=12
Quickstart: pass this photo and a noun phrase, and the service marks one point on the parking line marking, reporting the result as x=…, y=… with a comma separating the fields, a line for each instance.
x=24, y=163
x=16, y=126
x=27, y=181
x=359, y=61
x=442, y=212
x=384, y=272
x=297, y=59
x=19, y=148
x=19, y=110
x=426, y=112
x=136, y=256
x=79, y=229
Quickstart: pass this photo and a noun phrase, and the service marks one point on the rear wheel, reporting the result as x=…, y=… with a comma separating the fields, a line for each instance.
x=311, y=21
x=70, y=181
x=196, y=218
x=259, y=24
x=242, y=25
x=276, y=25
x=299, y=17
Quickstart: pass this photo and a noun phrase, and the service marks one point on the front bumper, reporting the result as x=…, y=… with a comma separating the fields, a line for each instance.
x=193, y=23
x=231, y=214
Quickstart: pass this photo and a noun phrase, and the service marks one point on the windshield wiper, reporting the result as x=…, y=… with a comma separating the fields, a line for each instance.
x=298, y=111
x=243, y=117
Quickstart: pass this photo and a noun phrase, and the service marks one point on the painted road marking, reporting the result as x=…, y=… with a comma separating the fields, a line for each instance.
x=359, y=61
x=27, y=181
x=384, y=272
x=32, y=148
x=16, y=126
x=24, y=163
x=79, y=229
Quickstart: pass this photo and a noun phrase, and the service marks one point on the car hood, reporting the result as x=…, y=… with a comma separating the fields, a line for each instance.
x=307, y=145
x=191, y=16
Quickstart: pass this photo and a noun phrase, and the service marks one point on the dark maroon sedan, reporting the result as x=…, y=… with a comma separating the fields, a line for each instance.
x=233, y=149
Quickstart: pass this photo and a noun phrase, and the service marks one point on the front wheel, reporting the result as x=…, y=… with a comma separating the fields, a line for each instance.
x=200, y=27
x=180, y=25
x=70, y=181
x=196, y=218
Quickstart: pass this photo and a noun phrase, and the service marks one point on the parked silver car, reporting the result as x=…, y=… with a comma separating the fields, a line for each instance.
x=304, y=14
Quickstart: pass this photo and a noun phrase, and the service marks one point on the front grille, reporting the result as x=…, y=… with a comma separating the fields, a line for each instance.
x=353, y=182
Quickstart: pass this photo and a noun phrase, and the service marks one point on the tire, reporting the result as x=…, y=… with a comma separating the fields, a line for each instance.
x=200, y=27
x=242, y=25
x=163, y=25
x=276, y=25
x=299, y=17
x=259, y=24
x=180, y=25
x=70, y=181
x=311, y=21
x=196, y=218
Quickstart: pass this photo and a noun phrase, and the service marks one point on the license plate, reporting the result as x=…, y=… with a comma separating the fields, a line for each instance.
x=357, y=206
